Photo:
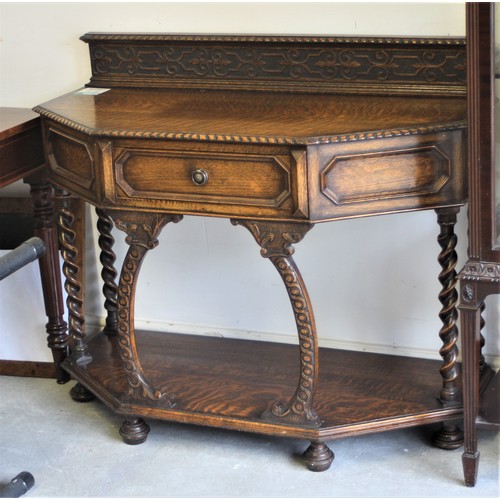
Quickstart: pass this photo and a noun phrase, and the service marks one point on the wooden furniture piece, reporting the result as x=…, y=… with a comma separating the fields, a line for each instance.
x=22, y=157
x=276, y=134
x=480, y=276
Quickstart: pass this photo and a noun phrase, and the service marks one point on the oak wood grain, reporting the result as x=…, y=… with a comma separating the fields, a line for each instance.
x=230, y=383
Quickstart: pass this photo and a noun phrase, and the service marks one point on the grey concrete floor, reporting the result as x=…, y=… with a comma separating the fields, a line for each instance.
x=74, y=450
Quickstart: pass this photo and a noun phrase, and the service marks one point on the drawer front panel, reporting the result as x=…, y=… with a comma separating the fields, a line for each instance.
x=202, y=177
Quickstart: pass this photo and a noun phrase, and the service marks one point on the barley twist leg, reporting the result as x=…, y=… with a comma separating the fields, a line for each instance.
x=450, y=436
x=108, y=273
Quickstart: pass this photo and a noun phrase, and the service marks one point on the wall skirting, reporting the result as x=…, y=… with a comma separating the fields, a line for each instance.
x=284, y=338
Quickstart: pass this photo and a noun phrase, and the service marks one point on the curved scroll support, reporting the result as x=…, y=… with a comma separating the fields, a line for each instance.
x=73, y=283
x=142, y=231
x=276, y=240
x=108, y=273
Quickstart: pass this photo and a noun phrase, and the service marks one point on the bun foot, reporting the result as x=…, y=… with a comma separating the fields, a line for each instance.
x=449, y=437
x=134, y=430
x=318, y=457
x=81, y=394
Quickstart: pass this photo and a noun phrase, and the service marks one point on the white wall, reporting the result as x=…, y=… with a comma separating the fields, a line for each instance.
x=373, y=281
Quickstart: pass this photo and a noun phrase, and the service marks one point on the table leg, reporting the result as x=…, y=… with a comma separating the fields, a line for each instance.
x=142, y=231
x=470, y=322
x=450, y=436
x=46, y=229
x=73, y=283
x=108, y=273
x=72, y=245
x=276, y=240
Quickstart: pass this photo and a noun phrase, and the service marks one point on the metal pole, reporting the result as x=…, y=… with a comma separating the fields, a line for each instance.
x=25, y=253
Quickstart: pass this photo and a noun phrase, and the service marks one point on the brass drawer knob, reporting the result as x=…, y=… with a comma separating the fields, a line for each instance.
x=200, y=177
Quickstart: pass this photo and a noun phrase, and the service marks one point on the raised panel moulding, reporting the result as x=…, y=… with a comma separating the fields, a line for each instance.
x=241, y=180
x=387, y=175
x=71, y=158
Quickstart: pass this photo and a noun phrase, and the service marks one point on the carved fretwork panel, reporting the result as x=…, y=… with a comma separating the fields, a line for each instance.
x=277, y=63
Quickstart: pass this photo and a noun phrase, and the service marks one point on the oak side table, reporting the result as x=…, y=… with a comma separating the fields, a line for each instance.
x=275, y=133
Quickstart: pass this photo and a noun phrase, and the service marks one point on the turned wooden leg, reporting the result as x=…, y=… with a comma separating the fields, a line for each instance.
x=318, y=457
x=275, y=240
x=46, y=229
x=142, y=231
x=450, y=436
x=134, y=430
x=108, y=273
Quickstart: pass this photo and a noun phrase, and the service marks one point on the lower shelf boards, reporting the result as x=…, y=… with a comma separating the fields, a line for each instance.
x=229, y=383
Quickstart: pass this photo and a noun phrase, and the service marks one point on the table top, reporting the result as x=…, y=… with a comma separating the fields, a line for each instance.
x=14, y=121
x=249, y=116
x=21, y=149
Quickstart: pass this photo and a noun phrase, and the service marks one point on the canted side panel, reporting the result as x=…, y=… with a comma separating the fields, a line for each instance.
x=387, y=175
x=72, y=161
x=231, y=183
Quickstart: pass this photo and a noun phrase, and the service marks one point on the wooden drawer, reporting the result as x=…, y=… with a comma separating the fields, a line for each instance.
x=211, y=182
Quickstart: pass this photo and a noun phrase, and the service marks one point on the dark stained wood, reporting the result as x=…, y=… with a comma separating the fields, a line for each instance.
x=275, y=148
x=22, y=157
x=489, y=411
x=27, y=369
x=480, y=276
x=21, y=147
x=311, y=64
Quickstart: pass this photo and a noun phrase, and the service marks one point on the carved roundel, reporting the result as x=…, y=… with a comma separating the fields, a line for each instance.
x=468, y=293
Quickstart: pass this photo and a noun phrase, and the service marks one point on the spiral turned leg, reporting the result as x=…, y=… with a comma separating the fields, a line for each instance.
x=74, y=301
x=73, y=286
x=450, y=436
x=108, y=273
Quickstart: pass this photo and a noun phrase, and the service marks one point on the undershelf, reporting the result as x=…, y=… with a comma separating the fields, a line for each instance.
x=229, y=383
